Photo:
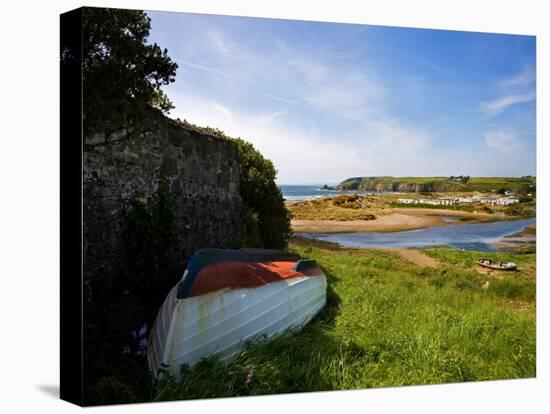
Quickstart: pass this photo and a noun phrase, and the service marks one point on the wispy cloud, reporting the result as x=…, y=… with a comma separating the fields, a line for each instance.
x=278, y=98
x=318, y=82
x=282, y=143
x=309, y=68
x=336, y=89
x=206, y=69
x=526, y=77
x=502, y=140
x=223, y=110
x=347, y=103
x=496, y=106
x=219, y=41
x=321, y=86
x=329, y=158
x=429, y=65
x=518, y=89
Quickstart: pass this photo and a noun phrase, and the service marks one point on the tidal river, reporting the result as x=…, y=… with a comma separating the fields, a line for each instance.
x=478, y=236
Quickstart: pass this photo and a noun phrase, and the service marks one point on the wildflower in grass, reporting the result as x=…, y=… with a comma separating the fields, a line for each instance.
x=250, y=375
x=139, y=346
x=142, y=341
x=142, y=346
x=143, y=330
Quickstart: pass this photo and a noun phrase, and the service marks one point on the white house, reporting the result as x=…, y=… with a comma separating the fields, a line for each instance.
x=431, y=201
x=499, y=201
x=493, y=200
x=406, y=200
x=508, y=201
x=468, y=199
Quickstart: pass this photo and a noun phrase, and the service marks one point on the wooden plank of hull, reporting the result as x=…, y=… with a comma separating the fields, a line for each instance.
x=159, y=334
x=222, y=322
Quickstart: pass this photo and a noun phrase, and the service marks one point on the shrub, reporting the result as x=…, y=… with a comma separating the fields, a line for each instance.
x=252, y=228
x=264, y=207
x=437, y=281
x=465, y=284
x=487, y=209
x=514, y=289
x=519, y=210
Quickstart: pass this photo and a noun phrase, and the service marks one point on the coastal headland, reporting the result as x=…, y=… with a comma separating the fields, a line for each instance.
x=438, y=184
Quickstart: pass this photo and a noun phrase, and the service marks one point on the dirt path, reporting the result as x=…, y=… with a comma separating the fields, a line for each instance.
x=416, y=257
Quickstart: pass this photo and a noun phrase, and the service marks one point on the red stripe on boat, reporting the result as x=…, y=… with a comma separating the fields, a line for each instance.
x=244, y=275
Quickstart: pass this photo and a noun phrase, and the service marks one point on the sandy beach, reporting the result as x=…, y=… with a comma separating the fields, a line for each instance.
x=398, y=220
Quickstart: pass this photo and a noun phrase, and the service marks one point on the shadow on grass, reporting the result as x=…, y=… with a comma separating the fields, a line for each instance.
x=327, y=315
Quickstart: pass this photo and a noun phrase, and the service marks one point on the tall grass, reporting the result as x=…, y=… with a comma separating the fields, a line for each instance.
x=386, y=323
x=339, y=208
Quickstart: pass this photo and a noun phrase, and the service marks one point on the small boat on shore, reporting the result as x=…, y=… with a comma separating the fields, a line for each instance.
x=491, y=264
x=227, y=298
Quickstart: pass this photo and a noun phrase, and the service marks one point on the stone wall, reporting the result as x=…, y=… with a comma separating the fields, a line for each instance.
x=118, y=166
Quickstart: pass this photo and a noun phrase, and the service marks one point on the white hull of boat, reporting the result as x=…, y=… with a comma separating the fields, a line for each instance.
x=222, y=322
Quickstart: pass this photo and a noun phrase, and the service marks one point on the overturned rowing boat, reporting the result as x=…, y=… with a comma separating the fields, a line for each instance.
x=491, y=264
x=229, y=297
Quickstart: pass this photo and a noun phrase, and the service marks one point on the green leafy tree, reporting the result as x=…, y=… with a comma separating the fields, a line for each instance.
x=122, y=73
x=266, y=217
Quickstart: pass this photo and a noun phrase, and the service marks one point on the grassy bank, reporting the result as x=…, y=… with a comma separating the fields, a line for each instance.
x=340, y=208
x=527, y=231
x=388, y=322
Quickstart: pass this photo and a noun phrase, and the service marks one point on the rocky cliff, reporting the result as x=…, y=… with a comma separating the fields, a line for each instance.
x=124, y=164
x=396, y=185
x=525, y=184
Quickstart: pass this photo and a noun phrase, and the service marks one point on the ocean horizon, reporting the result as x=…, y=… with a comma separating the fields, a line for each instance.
x=299, y=192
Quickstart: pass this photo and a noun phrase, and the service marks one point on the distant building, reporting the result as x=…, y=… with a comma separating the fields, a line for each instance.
x=431, y=201
x=499, y=201
x=407, y=200
x=468, y=199
x=509, y=200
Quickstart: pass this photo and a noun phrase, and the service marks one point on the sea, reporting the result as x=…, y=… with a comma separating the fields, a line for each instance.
x=309, y=192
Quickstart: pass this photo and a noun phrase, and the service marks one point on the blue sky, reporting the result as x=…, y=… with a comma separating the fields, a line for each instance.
x=327, y=101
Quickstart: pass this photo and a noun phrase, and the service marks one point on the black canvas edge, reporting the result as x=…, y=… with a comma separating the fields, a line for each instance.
x=71, y=262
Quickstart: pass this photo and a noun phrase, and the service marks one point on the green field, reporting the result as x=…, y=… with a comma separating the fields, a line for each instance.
x=388, y=322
